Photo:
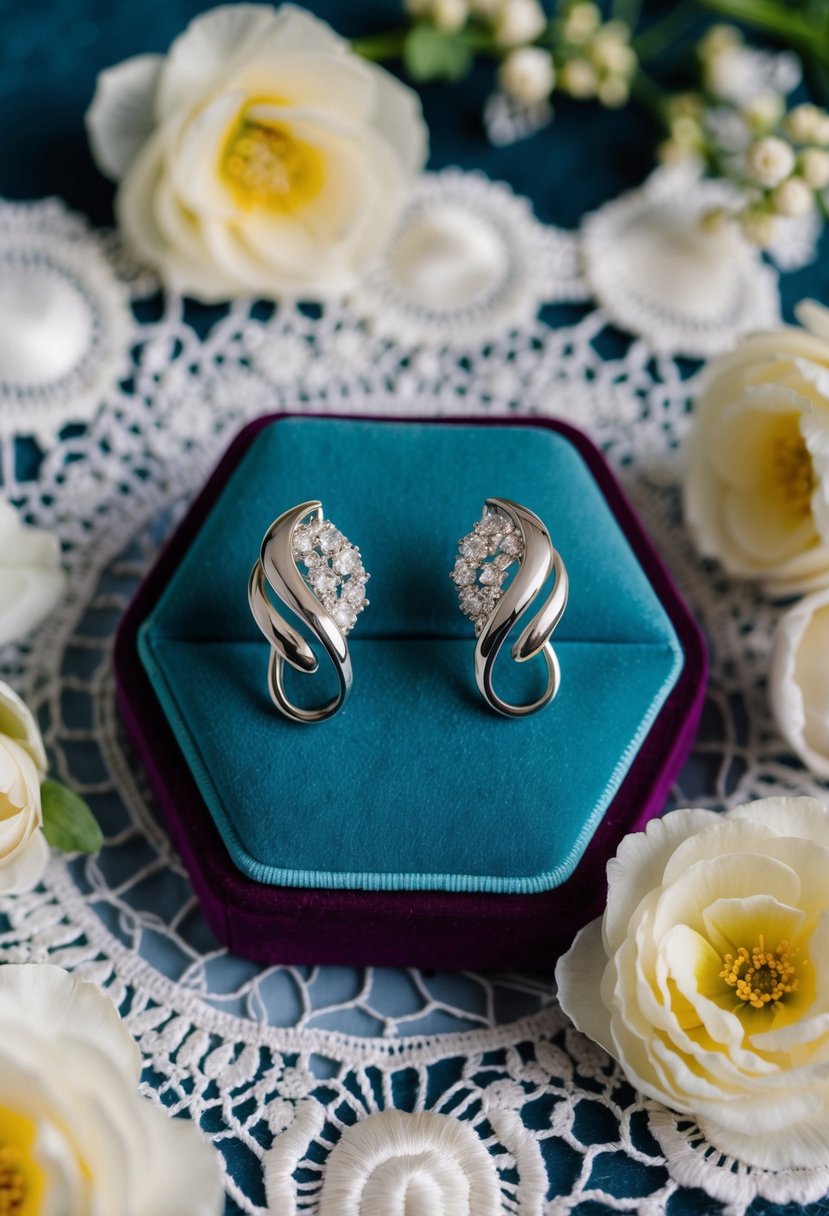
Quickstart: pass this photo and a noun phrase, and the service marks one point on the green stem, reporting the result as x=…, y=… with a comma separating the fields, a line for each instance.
x=649, y=94
x=388, y=45
x=802, y=34
x=665, y=31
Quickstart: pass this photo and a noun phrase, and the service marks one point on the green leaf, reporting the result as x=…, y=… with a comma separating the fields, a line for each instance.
x=68, y=823
x=432, y=54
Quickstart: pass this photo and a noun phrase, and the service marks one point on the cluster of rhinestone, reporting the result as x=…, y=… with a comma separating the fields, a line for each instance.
x=333, y=570
x=480, y=572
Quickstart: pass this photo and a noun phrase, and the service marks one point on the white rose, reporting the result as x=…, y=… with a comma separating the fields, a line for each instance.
x=24, y=853
x=31, y=579
x=527, y=75
x=518, y=22
x=799, y=680
x=708, y=978
x=769, y=161
x=260, y=156
x=77, y=1139
x=757, y=457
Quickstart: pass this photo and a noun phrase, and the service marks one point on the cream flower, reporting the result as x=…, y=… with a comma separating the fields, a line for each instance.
x=757, y=475
x=77, y=1139
x=259, y=156
x=793, y=197
x=799, y=680
x=708, y=978
x=31, y=579
x=814, y=165
x=24, y=853
x=519, y=22
x=527, y=75
x=769, y=161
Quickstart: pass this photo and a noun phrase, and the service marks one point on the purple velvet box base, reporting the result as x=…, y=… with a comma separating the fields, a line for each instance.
x=428, y=929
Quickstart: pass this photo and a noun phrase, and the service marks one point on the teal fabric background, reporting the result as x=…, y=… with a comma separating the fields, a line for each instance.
x=415, y=784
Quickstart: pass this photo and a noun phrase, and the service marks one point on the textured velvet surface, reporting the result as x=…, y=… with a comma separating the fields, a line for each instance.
x=415, y=785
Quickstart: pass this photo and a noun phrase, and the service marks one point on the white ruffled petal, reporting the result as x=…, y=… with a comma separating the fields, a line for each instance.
x=579, y=979
x=121, y=117
x=18, y=723
x=799, y=681
x=24, y=871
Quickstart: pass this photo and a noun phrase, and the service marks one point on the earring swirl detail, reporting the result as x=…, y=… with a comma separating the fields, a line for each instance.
x=327, y=595
x=505, y=534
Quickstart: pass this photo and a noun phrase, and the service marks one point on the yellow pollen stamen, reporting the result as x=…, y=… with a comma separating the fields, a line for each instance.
x=267, y=166
x=794, y=472
x=13, y=1185
x=761, y=977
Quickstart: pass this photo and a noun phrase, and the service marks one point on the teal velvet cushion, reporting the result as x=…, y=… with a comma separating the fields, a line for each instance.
x=415, y=784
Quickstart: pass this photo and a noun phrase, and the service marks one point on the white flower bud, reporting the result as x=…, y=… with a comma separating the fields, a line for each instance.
x=803, y=123
x=450, y=15
x=718, y=39
x=759, y=227
x=519, y=22
x=769, y=161
x=615, y=57
x=793, y=197
x=814, y=166
x=581, y=22
x=527, y=75
x=686, y=131
x=578, y=78
x=764, y=111
x=614, y=92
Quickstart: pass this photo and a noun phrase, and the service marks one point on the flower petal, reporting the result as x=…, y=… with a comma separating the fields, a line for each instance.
x=639, y=865
x=25, y=870
x=18, y=723
x=579, y=979
x=121, y=116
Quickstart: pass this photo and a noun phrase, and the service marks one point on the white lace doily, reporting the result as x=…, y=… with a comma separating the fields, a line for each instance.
x=300, y=1056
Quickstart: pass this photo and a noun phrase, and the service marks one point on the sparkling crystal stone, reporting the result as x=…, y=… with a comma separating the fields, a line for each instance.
x=471, y=602
x=324, y=580
x=354, y=592
x=474, y=548
x=492, y=575
x=346, y=561
x=491, y=524
x=330, y=539
x=463, y=573
x=511, y=545
x=303, y=540
x=344, y=616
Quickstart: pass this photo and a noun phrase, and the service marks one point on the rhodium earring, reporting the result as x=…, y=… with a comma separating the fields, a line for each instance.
x=506, y=534
x=319, y=575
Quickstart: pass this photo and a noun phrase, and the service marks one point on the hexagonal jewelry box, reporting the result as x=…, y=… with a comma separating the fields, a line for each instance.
x=415, y=827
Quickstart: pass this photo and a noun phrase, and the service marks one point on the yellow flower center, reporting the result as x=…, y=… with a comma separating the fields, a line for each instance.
x=794, y=472
x=21, y=1178
x=266, y=165
x=761, y=977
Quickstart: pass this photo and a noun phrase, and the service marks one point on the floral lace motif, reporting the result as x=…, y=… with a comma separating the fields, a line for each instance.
x=302, y=1057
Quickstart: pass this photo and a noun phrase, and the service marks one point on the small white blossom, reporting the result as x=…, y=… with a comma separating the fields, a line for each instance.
x=769, y=161
x=581, y=22
x=803, y=123
x=519, y=22
x=814, y=165
x=764, y=111
x=613, y=92
x=527, y=75
x=793, y=198
x=578, y=78
x=759, y=227
x=450, y=15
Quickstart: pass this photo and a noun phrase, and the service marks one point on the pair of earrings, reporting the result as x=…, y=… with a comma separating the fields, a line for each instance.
x=319, y=576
